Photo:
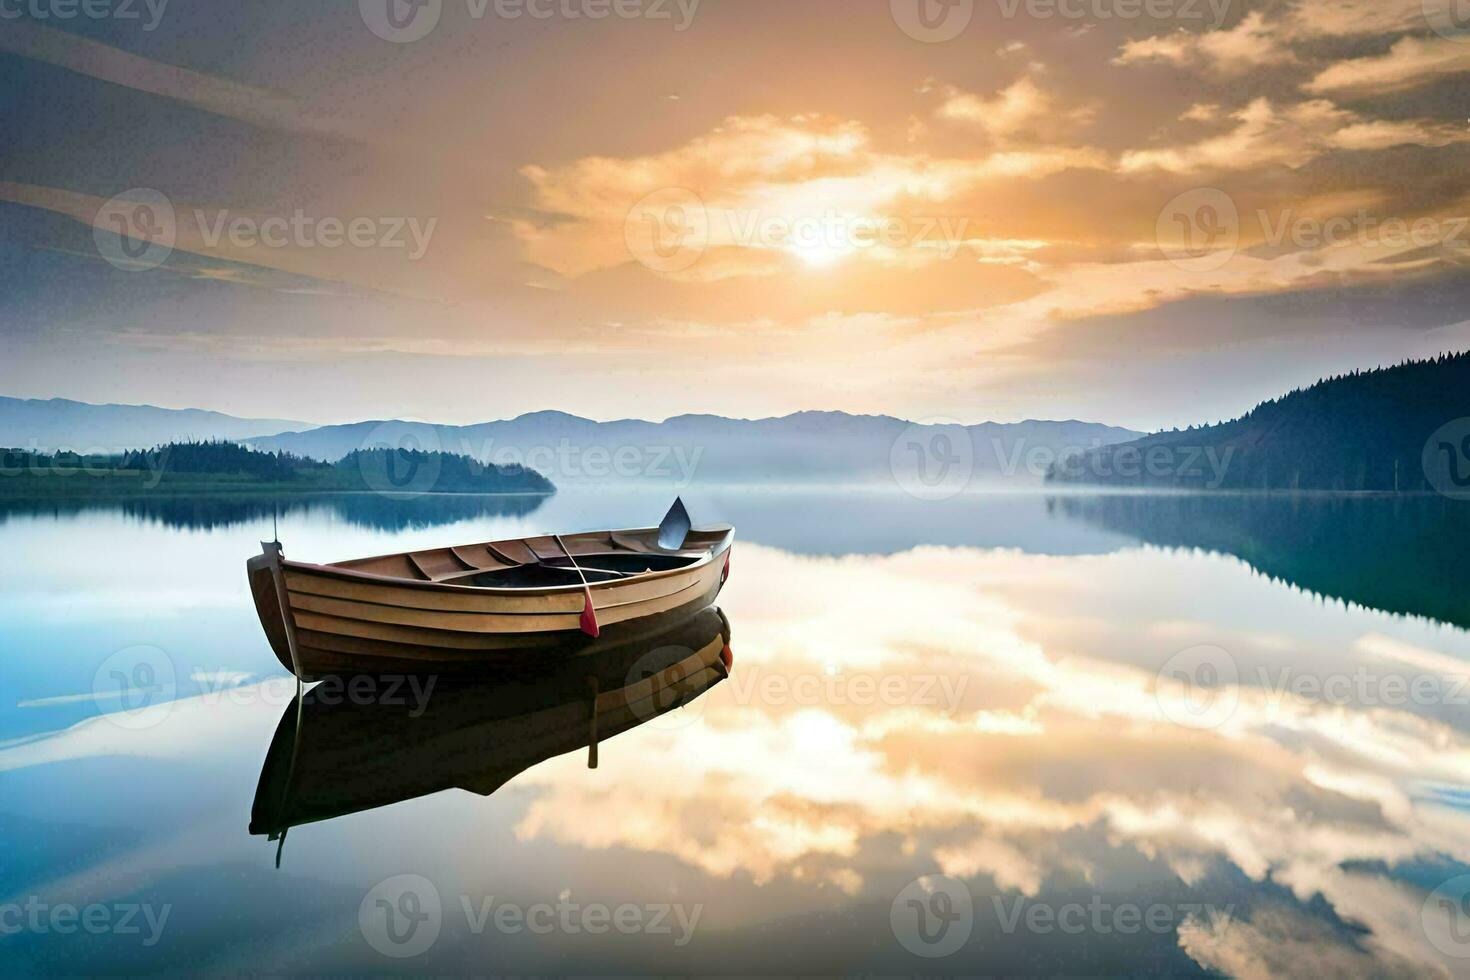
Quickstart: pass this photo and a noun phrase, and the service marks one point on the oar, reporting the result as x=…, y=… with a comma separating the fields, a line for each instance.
x=589, y=612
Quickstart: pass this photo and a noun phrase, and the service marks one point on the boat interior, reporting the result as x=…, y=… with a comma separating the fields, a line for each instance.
x=540, y=562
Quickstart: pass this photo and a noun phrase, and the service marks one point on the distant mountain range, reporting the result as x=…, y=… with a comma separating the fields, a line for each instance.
x=57, y=423
x=1404, y=428
x=803, y=448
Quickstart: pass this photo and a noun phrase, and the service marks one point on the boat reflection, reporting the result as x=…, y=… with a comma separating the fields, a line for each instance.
x=356, y=744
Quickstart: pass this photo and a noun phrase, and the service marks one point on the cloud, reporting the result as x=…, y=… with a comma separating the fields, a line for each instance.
x=745, y=194
x=209, y=92
x=1248, y=45
x=1280, y=941
x=1409, y=63
x=1265, y=135
x=1008, y=112
x=1349, y=18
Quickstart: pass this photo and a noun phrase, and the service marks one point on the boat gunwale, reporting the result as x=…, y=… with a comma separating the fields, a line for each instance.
x=336, y=571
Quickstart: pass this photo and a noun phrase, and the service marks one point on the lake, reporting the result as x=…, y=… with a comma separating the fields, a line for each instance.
x=1002, y=733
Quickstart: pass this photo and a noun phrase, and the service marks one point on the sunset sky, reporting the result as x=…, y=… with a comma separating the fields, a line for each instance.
x=1140, y=212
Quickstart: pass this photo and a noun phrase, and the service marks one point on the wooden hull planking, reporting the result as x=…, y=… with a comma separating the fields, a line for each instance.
x=356, y=617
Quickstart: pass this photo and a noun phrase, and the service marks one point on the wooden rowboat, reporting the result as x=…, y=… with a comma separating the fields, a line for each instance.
x=487, y=606
x=331, y=757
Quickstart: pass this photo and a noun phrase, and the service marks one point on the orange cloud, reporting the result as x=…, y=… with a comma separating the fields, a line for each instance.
x=1410, y=62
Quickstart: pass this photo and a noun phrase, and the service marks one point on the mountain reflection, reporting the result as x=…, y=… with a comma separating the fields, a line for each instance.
x=1402, y=555
x=371, y=511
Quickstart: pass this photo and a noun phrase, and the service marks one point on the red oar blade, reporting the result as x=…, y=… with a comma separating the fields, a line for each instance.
x=589, y=615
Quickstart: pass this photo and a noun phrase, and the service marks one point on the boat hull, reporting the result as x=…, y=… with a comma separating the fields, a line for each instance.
x=347, y=620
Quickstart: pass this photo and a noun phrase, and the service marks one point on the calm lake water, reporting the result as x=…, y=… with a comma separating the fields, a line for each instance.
x=1006, y=733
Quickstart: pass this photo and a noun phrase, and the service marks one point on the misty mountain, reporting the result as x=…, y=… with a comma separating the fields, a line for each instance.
x=59, y=423
x=803, y=448
x=1404, y=428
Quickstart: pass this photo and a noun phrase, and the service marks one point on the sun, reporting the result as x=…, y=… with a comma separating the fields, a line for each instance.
x=820, y=255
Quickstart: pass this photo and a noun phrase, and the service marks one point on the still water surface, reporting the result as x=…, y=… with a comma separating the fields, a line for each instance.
x=1000, y=734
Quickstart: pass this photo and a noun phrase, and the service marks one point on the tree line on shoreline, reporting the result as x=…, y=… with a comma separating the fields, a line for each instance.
x=228, y=466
